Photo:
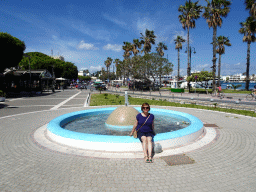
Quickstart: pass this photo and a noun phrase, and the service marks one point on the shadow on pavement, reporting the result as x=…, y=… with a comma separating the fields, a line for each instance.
x=2, y=105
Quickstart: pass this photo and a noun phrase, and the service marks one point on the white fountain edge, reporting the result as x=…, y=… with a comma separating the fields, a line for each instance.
x=134, y=148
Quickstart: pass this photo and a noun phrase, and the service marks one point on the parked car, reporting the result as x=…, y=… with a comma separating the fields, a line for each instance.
x=81, y=87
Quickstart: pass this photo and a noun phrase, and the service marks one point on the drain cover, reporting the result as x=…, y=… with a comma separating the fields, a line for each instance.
x=210, y=125
x=177, y=160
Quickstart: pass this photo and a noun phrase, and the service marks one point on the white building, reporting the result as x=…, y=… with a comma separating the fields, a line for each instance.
x=58, y=57
x=83, y=73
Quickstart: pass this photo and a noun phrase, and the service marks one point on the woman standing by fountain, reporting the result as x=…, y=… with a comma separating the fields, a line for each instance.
x=144, y=124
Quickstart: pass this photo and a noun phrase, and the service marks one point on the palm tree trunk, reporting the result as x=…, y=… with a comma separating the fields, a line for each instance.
x=188, y=69
x=248, y=66
x=219, y=70
x=214, y=56
x=178, y=67
x=108, y=73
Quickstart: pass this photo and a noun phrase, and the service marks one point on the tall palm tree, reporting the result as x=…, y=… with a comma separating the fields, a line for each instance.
x=189, y=13
x=136, y=44
x=221, y=42
x=128, y=47
x=108, y=62
x=147, y=40
x=214, y=10
x=117, y=63
x=251, y=5
x=178, y=41
x=160, y=47
x=248, y=30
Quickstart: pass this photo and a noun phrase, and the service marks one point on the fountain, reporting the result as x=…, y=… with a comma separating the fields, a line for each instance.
x=117, y=126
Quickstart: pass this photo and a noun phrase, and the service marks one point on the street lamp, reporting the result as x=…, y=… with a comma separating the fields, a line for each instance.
x=26, y=55
x=190, y=48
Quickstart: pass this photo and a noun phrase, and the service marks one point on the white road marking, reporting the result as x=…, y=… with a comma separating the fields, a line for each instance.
x=14, y=99
x=63, y=102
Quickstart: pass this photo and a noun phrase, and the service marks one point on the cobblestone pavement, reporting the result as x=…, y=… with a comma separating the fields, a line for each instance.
x=228, y=164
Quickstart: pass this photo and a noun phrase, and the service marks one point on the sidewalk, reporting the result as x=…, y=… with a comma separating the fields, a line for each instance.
x=227, y=164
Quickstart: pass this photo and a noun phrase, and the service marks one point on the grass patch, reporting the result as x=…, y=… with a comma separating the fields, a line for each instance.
x=99, y=99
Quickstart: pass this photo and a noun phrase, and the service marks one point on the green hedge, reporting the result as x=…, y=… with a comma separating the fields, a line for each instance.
x=177, y=90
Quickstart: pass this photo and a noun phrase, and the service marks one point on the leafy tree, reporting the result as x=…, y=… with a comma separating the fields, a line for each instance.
x=221, y=42
x=41, y=61
x=178, y=41
x=214, y=10
x=248, y=30
x=189, y=13
x=11, y=52
x=202, y=78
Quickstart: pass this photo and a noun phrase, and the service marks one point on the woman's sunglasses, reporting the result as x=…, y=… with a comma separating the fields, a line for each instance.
x=145, y=107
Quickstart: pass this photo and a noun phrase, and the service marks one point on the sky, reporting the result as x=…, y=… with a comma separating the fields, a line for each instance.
x=87, y=32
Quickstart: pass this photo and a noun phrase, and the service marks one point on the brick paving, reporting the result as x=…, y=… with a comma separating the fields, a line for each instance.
x=228, y=164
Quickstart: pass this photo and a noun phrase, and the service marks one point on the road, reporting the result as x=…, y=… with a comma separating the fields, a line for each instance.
x=68, y=98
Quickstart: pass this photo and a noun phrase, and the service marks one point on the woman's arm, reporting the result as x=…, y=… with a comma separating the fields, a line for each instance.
x=134, y=126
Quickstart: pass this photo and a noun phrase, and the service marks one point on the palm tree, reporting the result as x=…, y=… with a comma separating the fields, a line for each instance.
x=251, y=5
x=248, y=30
x=117, y=62
x=128, y=47
x=221, y=42
x=136, y=44
x=178, y=41
x=190, y=12
x=147, y=40
x=108, y=62
x=214, y=10
x=160, y=47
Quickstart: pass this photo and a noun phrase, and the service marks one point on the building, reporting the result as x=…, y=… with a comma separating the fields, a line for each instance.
x=58, y=57
x=83, y=73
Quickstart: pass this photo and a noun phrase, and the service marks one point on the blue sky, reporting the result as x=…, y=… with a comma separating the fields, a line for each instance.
x=87, y=32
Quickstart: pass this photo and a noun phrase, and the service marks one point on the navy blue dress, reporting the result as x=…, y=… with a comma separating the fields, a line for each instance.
x=146, y=129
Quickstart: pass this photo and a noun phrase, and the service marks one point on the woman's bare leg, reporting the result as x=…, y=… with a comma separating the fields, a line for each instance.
x=144, y=145
x=149, y=149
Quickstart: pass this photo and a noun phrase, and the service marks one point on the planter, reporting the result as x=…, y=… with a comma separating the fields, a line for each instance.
x=177, y=90
x=2, y=99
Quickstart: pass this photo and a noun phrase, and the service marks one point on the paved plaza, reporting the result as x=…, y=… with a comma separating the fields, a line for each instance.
x=226, y=164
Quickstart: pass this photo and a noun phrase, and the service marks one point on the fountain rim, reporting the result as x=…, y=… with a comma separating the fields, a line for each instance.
x=54, y=126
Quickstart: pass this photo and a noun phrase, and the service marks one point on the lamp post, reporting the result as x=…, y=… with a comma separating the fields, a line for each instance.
x=190, y=48
x=25, y=55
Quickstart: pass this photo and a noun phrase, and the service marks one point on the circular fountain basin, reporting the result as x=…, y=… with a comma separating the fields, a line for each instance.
x=121, y=143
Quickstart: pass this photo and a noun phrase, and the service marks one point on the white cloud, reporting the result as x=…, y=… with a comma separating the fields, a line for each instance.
x=86, y=46
x=145, y=23
x=112, y=47
x=237, y=64
x=114, y=20
x=95, y=68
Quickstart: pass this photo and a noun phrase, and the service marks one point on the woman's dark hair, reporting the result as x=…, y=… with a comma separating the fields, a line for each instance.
x=145, y=104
